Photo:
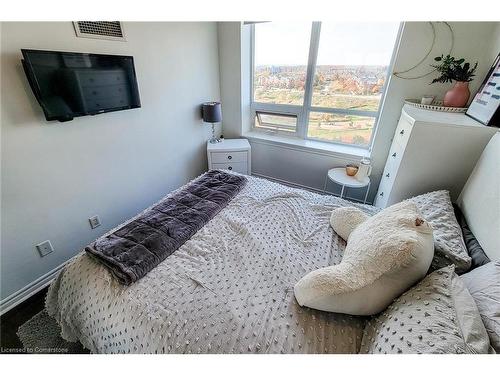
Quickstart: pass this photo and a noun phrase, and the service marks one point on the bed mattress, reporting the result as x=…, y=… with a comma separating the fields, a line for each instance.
x=229, y=289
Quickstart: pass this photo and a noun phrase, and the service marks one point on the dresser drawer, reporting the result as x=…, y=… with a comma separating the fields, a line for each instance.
x=391, y=168
x=235, y=167
x=402, y=132
x=381, y=198
x=389, y=174
x=229, y=157
x=384, y=190
x=394, y=158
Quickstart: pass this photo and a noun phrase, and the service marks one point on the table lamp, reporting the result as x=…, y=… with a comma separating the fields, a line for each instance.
x=211, y=112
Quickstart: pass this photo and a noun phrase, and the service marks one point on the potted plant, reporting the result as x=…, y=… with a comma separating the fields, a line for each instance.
x=452, y=69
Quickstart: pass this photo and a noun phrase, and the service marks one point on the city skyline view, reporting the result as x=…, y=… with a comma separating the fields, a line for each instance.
x=347, y=87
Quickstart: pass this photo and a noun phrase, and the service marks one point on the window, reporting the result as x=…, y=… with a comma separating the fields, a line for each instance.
x=334, y=127
x=322, y=81
x=280, y=62
x=276, y=122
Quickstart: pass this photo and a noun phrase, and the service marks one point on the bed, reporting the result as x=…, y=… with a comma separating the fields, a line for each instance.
x=229, y=289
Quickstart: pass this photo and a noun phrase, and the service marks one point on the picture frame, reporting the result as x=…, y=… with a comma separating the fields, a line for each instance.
x=485, y=107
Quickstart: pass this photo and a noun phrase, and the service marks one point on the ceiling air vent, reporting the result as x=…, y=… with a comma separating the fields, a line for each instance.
x=111, y=30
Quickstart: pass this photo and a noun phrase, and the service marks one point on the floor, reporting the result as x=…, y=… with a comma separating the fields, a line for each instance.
x=13, y=319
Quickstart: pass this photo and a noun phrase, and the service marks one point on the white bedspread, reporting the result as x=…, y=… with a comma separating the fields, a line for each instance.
x=229, y=289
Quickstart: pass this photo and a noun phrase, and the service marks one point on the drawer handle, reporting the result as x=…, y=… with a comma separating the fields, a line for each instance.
x=229, y=157
x=402, y=132
x=230, y=168
x=394, y=155
x=381, y=194
x=387, y=175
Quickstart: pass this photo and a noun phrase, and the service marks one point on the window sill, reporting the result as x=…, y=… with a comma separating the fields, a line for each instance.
x=307, y=145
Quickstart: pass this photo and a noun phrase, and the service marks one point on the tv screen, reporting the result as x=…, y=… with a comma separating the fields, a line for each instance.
x=69, y=85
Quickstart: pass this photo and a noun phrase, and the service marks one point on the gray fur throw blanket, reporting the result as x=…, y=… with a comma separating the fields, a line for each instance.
x=139, y=246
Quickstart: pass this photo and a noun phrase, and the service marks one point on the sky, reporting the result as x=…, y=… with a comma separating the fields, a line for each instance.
x=341, y=43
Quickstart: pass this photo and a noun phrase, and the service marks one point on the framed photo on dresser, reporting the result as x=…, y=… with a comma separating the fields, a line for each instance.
x=485, y=107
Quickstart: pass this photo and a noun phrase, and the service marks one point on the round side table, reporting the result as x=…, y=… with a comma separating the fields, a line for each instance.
x=339, y=176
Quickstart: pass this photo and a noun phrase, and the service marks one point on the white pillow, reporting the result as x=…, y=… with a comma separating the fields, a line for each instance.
x=449, y=246
x=384, y=256
x=436, y=316
x=344, y=219
x=484, y=286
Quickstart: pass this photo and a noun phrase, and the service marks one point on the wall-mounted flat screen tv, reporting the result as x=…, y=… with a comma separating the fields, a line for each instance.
x=69, y=85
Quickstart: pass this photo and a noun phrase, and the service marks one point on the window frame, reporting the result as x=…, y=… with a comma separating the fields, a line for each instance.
x=303, y=111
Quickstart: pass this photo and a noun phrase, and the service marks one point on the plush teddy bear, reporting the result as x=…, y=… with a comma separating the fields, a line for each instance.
x=385, y=255
x=344, y=219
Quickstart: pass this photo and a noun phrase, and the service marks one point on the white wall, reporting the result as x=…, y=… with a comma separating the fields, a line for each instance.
x=229, y=39
x=473, y=41
x=234, y=59
x=56, y=175
x=495, y=50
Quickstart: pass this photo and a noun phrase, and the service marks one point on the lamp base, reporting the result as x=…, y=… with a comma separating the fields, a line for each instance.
x=213, y=139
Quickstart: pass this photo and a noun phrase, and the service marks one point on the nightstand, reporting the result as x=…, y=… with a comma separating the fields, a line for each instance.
x=339, y=176
x=231, y=154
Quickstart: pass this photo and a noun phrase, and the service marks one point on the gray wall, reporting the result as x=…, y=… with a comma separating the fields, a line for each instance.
x=475, y=41
x=230, y=76
x=56, y=175
x=495, y=50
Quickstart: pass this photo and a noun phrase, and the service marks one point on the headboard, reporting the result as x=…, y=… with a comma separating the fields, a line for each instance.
x=480, y=199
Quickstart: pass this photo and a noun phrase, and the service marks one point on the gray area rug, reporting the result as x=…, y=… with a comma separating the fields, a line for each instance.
x=41, y=334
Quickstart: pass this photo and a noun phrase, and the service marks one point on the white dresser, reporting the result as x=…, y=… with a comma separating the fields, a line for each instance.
x=431, y=151
x=232, y=154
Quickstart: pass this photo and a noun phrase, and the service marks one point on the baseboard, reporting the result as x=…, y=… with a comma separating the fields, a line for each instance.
x=296, y=185
x=23, y=294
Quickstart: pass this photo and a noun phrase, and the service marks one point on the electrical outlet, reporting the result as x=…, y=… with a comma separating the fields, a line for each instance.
x=94, y=221
x=44, y=248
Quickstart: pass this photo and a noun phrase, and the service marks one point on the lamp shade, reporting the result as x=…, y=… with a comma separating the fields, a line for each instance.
x=211, y=112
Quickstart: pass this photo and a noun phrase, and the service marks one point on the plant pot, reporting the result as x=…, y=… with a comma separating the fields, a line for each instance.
x=458, y=96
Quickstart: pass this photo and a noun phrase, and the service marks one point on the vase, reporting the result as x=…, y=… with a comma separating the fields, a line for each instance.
x=458, y=96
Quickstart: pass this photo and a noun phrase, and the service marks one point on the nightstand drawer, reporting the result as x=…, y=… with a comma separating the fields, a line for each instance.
x=229, y=157
x=235, y=167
